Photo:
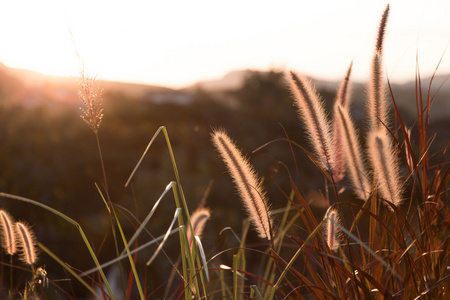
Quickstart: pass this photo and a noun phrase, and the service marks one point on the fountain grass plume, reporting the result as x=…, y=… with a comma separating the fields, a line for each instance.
x=352, y=152
x=7, y=233
x=27, y=243
x=382, y=29
x=385, y=166
x=331, y=229
x=343, y=98
x=312, y=112
x=378, y=105
x=91, y=97
x=343, y=94
x=198, y=221
x=247, y=183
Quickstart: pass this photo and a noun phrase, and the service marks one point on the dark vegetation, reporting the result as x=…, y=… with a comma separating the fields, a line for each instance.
x=48, y=154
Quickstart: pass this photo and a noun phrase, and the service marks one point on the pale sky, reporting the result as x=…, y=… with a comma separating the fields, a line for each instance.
x=176, y=43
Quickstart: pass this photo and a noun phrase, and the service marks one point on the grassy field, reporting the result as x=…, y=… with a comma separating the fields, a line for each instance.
x=332, y=198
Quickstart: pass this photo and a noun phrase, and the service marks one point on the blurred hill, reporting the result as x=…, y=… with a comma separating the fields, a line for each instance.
x=34, y=88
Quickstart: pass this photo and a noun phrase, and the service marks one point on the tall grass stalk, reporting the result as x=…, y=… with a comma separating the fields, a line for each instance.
x=180, y=201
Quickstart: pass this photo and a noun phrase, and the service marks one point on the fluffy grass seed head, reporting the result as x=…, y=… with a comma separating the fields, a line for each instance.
x=385, y=167
x=198, y=221
x=342, y=98
x=91, y=97
x=27, y=243
x=247, y=183
x=7, y=233
x=352, y=154
x=382, y=29
x=312, y=112
x=332, y=232
x=378, y=106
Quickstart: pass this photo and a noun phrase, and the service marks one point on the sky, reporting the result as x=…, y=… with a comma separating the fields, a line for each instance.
x=177, y=43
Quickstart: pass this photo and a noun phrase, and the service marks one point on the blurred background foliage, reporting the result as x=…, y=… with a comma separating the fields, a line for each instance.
x=48, y=154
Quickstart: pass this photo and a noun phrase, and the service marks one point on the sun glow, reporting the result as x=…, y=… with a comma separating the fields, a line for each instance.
x=177, y=43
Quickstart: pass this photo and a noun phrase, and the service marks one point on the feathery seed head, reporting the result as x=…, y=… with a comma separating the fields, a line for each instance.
x=377, y=106
x=27, y=242
x=331, y=230
x=343, y=97
x=247, y=183
x=92, y=99
x=7, y=233
x=354, y=161
x=385, y=167
x=198, y=221
x=382, y=29
x=312, y=113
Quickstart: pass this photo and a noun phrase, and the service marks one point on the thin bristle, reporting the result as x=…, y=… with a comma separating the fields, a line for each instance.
x=385, y=167
x=7, y=232
x=312, y=113
x=353, y=155
x=27, y=242
x=249, y=187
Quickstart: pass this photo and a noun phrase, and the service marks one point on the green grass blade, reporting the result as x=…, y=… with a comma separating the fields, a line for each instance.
x=175, y=217
x=147, y=219
x=143, y=155
x=202, y=255
x=132, y=264
x=142, y=247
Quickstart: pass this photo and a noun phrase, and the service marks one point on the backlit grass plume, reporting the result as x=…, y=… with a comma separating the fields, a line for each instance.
x=331, y=229
x=248, y=185
x=312, y=113
x=198, y=220
x=378, y=105
x=385, y=167
x=343, y=98
x=352, y=152
x=7, y=233
x=91, y=97
x=27, y=243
